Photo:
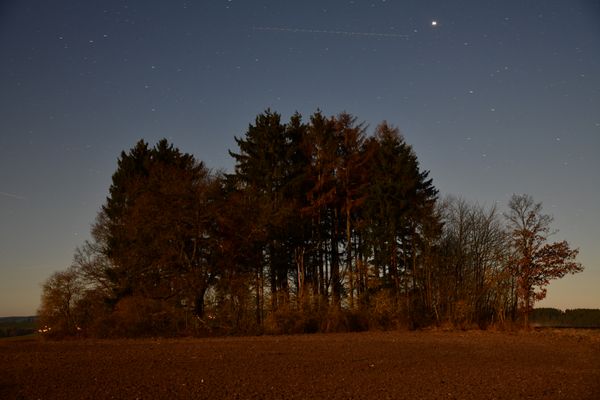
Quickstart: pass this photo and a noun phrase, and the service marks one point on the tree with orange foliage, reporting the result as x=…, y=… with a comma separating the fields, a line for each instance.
x=535, y=262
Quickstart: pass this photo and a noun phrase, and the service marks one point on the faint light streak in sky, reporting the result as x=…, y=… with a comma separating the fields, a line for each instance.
x=12, y=195
x=330, y=32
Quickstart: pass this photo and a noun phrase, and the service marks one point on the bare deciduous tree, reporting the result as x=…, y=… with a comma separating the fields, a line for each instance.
x=58, y=309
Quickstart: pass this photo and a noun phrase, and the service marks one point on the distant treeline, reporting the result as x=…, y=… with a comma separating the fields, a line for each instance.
x=321, y=227
x=17, y=326
x=577, y=318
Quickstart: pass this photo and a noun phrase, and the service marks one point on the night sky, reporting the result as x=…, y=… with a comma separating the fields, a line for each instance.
x=497, y=97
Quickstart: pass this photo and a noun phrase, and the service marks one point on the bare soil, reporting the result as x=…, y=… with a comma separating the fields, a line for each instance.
x=392, y=365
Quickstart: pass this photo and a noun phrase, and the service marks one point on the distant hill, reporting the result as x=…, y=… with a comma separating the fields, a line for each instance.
x=576, y=318
x=17, y=326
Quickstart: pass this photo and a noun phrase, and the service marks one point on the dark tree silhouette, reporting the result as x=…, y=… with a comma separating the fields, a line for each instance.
x=320, y=227
x=159, y=227
x=399, y=205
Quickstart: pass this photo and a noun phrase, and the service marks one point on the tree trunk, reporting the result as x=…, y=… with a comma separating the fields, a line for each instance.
x=335, y=265
x=349, y=254
x=526, y=311
x=199, y=304
x=259, y=296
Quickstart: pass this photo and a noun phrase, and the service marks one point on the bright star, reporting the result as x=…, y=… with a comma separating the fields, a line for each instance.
x=434, y=23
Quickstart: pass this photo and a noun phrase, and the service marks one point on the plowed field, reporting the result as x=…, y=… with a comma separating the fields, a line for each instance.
x=393, y=365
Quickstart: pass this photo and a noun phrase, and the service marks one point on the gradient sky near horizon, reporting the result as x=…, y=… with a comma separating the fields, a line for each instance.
x=496, y=97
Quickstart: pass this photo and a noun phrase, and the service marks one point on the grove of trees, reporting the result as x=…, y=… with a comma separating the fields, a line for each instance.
x=321, y=227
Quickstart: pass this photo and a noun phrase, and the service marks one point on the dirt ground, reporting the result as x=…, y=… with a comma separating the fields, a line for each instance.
x=392, y=365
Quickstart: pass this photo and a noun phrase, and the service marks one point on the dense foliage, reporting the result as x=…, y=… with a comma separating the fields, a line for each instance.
x=321, y=227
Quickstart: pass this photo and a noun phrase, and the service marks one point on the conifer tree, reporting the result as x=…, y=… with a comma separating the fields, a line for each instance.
x=400, y=203
x=262, y=168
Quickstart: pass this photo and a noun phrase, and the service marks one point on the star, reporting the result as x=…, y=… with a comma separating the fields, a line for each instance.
x=434, y=23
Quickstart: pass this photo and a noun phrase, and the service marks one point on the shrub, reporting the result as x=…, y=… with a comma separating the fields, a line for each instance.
x=136, y=316
x=384, y=311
